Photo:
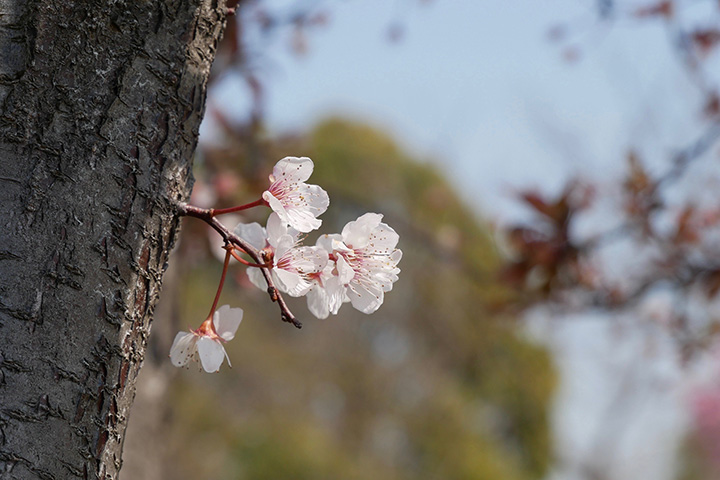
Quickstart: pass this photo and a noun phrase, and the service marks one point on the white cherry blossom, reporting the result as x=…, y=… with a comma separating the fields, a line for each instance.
x=296, y=203
x=206, y=343
x=293, y=266
x=365, y=264
x=327, y=293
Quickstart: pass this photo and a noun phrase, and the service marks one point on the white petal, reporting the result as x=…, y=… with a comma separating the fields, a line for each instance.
x=382, y=241
x=327, y=241
x=302, y=219
x=293, y=169
x=276, y=228
x=345, y=271
x=318, y=302
x=183, y=348
x=211, y=353
x=364, y=300
x=386, y=280
x=293, y=283
x=226, y=321
x=276, y=280
x=276, y=206
x=356, y=234
x=308, y=260
x=316, y=199
x=252, y=233
x=396, y=256
x=335, y=292
x=284, y=244
x=257, y=278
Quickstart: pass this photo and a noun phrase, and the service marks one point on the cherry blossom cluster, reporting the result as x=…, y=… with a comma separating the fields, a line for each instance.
x=357, y=266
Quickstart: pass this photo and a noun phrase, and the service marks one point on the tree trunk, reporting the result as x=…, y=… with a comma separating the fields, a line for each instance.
x=100, y=104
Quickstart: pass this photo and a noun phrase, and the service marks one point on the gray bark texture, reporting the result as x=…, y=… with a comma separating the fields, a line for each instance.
x=100, y=105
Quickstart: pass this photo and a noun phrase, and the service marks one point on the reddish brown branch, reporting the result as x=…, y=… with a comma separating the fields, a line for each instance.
x=221, y=211
x=205, y=215
x=245, y=262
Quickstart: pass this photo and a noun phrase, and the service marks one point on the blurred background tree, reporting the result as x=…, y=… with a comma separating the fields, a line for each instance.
x=436, y=384
x=439, y=383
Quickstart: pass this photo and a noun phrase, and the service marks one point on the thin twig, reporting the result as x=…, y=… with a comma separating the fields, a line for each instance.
x=205, y=215
x=245, y=262
x=680, y=163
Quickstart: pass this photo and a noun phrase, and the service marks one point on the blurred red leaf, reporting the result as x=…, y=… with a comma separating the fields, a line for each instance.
x=663, y=9
x=575, y=196
x=640, y=193
x=515, y=274
x=556, y=211
x=638, y=180
x=705, y=40
x=712, y=105
x=712, y=283
x=687, y=227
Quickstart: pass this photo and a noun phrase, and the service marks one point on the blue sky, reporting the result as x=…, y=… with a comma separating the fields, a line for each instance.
x=478, y=87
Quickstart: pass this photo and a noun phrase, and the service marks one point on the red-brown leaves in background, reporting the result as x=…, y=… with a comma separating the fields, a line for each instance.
x=575, y=196
x=712, y=105
x=661, y=9
x=711, y=282
x=688, y=227
x=640, y=193
x=705, y=40
x=545, y=250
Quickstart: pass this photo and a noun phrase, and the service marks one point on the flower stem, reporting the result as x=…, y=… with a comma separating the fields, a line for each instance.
x=221, y=211
x=183, y=209
x=220, y=287
x=245, y=262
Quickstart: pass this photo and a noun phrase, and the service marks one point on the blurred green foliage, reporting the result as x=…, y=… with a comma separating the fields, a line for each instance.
x=438, y=384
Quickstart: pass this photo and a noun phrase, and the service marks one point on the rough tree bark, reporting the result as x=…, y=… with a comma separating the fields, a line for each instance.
x=100, y=104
